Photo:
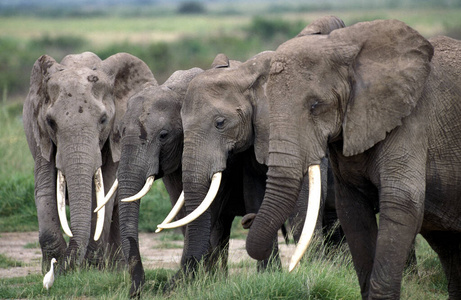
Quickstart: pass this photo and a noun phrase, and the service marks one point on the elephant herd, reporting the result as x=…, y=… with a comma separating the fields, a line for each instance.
x=374, y=106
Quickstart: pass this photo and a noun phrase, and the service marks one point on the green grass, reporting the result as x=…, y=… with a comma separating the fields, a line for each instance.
x=17, y=205
x=34, y=245
x=319, y=276
x=6, y=262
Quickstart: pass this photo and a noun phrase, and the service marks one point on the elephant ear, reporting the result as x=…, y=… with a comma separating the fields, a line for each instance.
x=389, y=71
x=179, y=80
x=324, y=25
x=220, y=61
x=128, y=74
x=252, y=75
x=34, y=124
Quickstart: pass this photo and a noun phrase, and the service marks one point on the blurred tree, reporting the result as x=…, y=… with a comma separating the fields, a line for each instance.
x=191, y=7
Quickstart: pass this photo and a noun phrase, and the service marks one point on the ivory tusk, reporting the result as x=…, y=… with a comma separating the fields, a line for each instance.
x=145, y=189
x=174, y=211
x=61, y=199
x=214, y=187
x=311, y=216
x=108, y=196
x=99, y=186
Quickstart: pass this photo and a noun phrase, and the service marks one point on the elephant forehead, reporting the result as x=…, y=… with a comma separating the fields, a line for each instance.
x=78, y=78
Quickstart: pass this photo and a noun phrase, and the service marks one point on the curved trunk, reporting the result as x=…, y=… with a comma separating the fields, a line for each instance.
x=284, y=179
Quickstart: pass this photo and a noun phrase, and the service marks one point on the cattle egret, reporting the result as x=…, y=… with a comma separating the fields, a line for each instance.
x=49, y=277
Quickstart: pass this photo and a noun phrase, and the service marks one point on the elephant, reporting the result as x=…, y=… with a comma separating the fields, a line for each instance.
x=225, y=137
x=71, y=117
x=151, y=148
x=385, y=102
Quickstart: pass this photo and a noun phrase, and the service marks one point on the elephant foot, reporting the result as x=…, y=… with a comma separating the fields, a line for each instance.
x=187, y=272
x=174, y=282
x=136, y=287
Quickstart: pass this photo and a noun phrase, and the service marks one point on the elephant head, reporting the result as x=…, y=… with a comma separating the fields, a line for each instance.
x=352, y=86
x=151, y=142
x=71, y=118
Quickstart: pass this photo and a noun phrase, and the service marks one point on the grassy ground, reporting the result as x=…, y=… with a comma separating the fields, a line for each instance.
x=319, y=276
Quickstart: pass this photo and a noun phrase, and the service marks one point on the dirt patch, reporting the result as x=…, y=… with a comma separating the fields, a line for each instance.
x=155, y=253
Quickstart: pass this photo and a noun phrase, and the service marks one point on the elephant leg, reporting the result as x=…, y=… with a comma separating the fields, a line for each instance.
x=114, y=252
x=332, y=231
x=360, y=231
x=411, y=264
x=50, y=236
x=399, y=221
x=112, y=238
x=448, y=247
x=219, y=244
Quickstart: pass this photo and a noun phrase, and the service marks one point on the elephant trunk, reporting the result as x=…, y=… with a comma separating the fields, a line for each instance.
x=79, y=185
x=198, y=231
x=132, y=177
x=132, y=172
x=78, y=161
x=284, y=179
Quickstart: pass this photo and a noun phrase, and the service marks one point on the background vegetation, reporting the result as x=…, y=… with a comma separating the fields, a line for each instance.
x=171, y=35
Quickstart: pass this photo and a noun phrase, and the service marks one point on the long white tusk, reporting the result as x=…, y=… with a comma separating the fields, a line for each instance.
x=311, y=216
x=214, y=187
x=61, y=199
x=108, y=196
x=174, y=211
x=145, y=189
x=99, y=186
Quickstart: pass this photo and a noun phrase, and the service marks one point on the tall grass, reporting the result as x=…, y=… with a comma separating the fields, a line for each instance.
x=319, y=276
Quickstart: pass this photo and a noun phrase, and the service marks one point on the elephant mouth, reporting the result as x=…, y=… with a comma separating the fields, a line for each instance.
x=100, y=199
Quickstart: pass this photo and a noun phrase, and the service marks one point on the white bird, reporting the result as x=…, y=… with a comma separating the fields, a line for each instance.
x=49, y=277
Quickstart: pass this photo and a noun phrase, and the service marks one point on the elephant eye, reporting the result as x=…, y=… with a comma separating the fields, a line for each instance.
x=318, y=107
x=163, y=135
x=103, y=119
x=220, y=123
x=51, y=123
x=314, y=105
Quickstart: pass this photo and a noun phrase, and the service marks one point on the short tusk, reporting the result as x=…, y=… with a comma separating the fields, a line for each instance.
x=61, y=199
x=145, y=189
x=99, y=185
x=108, y=196
x=174, y=211
x=311, y=216
x=214, y=187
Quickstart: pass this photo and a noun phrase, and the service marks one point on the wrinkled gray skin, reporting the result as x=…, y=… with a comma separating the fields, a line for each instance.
x=389, y=116
x=71, y=116
x=152, y=142
x=225, y=130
